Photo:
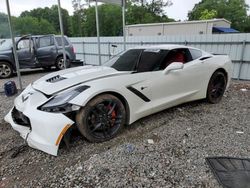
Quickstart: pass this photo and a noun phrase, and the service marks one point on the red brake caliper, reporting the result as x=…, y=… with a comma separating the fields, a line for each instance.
x=113, y=115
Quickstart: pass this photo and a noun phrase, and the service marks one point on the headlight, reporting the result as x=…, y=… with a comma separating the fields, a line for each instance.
x=59, y=103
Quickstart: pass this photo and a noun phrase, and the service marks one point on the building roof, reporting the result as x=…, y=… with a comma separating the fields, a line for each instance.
x=183, y=22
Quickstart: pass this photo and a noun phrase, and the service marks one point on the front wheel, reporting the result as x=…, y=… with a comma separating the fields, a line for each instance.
x=216, y=87
x=6, y=70
x=102, y=118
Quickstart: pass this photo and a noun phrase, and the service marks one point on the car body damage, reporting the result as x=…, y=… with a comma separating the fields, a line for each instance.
x=120, y=92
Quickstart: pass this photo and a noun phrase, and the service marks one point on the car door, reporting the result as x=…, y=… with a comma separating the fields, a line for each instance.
x=149, y=61
x=179, y=85
x=25, y=52
x=46, y=50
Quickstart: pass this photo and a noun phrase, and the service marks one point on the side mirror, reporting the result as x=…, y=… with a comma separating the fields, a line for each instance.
x=173, y=66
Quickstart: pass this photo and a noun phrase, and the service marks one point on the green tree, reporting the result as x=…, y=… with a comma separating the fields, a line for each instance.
x=51, y=15
x=30, y=25
x=206, y=14
x=4, y=26
x=76, y=25
x=110, y=19
x=155, y=6
x=247, y=25
x=140, y=14
x=232, y=10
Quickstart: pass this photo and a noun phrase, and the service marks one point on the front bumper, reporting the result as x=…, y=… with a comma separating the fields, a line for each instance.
x=42, y=130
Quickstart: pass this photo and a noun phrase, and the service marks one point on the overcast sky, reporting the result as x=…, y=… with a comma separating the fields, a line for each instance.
x=178, y=10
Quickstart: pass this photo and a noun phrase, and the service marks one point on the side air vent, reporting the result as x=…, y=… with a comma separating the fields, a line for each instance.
x=55, y=79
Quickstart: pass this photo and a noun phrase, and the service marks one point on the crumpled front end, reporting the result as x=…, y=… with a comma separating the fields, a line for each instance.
x=42, y=130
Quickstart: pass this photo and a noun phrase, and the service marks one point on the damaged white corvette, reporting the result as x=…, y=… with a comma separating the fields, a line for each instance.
x=100, y=100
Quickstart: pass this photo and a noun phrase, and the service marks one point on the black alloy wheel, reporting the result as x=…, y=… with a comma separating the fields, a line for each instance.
x=216, y=87
x=102, y=118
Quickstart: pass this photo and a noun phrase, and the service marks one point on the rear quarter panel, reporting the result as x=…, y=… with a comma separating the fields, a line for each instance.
x=219, y=62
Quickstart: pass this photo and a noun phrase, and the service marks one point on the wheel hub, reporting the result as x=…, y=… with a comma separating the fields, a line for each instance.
x=105, y=119
x=4, y=70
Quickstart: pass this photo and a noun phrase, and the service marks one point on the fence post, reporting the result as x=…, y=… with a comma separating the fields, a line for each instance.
x=242, y=57
x=83, y=51
x=109, y=50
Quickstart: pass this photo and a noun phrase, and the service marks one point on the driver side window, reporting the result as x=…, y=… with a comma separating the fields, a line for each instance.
x=150, y=60
x=24, y=44
x=181, y=55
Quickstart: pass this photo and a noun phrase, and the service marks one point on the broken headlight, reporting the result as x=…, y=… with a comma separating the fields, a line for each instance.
x=59, y=103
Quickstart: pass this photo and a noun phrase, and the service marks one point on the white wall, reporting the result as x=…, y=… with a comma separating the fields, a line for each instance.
x=179, y=28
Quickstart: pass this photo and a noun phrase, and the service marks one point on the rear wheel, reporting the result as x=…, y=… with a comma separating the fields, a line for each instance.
x=6, y=70
x=60, y=63
x=216, y=87
x=102, y=118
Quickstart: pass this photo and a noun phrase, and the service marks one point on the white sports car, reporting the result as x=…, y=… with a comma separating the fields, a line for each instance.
x=100, y=100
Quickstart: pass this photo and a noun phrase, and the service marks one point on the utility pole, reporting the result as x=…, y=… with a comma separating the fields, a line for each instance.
x=14, y=45
x=62, y=34
x=98, y=33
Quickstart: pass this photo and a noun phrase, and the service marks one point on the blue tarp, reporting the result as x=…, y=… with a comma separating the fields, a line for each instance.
x=224, y=30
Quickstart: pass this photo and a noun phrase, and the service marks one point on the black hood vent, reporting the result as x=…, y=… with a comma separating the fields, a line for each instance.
x=55, y=79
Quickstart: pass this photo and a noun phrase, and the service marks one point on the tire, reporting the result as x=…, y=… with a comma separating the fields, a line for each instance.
x=60, y=63
x=216, y=87
x=101, y=119
x=6, y=70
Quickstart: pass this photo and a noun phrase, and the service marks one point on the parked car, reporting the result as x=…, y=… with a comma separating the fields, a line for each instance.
x=100, y=100
x=43, y=51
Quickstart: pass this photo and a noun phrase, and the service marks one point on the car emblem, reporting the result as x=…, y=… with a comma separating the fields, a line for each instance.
x=25, y=97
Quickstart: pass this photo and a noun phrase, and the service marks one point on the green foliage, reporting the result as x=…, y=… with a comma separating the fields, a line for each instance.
x=232, y=10
x=110, y=19
x=83, y=22
x=155, y=6
x=4, y=26
x=76, y=27
x=51, y=15
x=247, y=25
x=140, y=15
x=206, y=14
x=30, y=25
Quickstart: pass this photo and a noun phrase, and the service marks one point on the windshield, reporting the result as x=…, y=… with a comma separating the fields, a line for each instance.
x=5, y=44
x=140, y=60
x=126, y=61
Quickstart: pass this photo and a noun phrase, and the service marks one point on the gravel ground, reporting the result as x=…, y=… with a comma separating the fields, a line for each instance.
x=182, y=137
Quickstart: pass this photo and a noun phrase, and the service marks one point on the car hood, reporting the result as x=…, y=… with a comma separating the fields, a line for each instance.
x=61, y=80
